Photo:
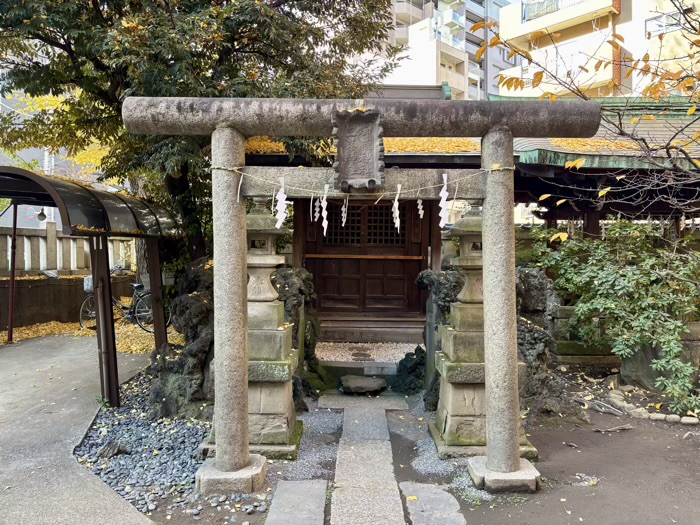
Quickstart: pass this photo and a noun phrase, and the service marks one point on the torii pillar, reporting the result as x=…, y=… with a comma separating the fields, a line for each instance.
x=228, y=121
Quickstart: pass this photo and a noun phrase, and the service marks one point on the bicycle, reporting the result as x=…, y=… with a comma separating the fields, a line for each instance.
x=139, y=311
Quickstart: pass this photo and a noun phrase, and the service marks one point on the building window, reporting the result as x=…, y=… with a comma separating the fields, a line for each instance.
x=662, y=24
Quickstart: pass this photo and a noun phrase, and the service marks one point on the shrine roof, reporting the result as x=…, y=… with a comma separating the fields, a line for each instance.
x=658, y=123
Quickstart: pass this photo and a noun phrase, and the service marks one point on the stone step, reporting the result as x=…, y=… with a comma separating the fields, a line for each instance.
x=428, y=504
x=298, y=502
x=360, y=334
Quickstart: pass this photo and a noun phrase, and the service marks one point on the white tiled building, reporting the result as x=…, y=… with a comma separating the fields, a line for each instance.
x=440, y=47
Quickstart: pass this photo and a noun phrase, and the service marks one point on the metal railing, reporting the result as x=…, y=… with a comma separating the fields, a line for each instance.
x=533, y=9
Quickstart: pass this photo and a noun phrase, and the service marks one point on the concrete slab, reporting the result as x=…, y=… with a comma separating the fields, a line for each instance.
x=305, y=501
x=48, y=391
x=360, y=506
x=429, y=504
x=384, y=401
x=364, y=463
x=365, y=486
x=527, y=479
x=367, y=423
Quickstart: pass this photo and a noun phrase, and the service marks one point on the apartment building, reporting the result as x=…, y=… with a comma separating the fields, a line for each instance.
x=569, y=37
x=440, y=48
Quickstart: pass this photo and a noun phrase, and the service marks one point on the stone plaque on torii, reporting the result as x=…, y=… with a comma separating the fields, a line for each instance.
x=229, y=121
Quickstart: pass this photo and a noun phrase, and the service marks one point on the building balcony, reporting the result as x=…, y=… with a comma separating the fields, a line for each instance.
x=451, y=40
x=475, y=72
x=401, y=34
x=457, y=81
x=578, y=56
x=471, y=48
x=475, y=8
x=453, y=20
x=524, y=17
x=407, y=12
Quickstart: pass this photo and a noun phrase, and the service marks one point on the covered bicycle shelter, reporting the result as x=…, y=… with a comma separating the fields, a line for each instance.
x=97, y=215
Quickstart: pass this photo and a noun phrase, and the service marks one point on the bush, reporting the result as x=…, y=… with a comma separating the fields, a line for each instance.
x=634, y=289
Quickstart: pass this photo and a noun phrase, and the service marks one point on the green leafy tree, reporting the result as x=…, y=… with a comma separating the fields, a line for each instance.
x=631, y=290
x=93, y=54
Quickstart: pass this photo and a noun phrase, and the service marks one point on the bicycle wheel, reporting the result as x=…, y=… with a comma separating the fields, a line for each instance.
x=88, y=313
x=118, y=310
x=143, y=312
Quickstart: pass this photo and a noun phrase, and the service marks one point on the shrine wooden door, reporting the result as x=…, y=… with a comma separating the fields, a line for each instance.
x=367, y=266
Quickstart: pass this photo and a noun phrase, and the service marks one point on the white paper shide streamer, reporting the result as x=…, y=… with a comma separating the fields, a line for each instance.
x=317, y=209
x=443, y=201
x=281, y=206
x=324, y=211
x=395, y=209
x=344, y=210
x=419, y=203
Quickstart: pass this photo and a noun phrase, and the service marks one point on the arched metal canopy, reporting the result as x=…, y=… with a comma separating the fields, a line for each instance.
x=87, y=211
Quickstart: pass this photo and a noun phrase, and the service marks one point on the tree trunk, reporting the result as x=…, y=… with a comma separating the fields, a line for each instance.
x=179, y=189
x=136, y=186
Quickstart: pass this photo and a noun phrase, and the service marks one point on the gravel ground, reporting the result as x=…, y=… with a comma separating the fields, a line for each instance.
x=463, y=486
x=318, y=447
x=427, y=461
x=156, y=459
x=380, y=352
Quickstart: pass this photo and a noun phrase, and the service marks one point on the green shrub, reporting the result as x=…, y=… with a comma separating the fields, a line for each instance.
x=633, y=289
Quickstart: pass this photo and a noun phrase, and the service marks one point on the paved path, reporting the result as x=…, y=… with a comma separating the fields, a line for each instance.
x=365, y=486
x=304, y=502
x=429, y=504
x=48, y=391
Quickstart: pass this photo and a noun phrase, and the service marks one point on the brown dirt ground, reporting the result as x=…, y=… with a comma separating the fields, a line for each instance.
x=648, y=475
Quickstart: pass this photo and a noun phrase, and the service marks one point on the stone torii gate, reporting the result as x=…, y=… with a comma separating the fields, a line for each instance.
x=229, y=121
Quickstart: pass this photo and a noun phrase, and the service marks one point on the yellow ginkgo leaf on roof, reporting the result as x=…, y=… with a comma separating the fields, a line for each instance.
x=574, y=164
x=412, y=498
x=692, y=110
x=635, y=120
x=603, y=192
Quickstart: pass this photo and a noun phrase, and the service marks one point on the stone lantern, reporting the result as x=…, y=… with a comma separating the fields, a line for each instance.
x=262, y=255
x=460, y=426
x=468, y=231
x=271, y=359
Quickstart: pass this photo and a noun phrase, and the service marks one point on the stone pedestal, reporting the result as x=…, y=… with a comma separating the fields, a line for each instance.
x=460, y=425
